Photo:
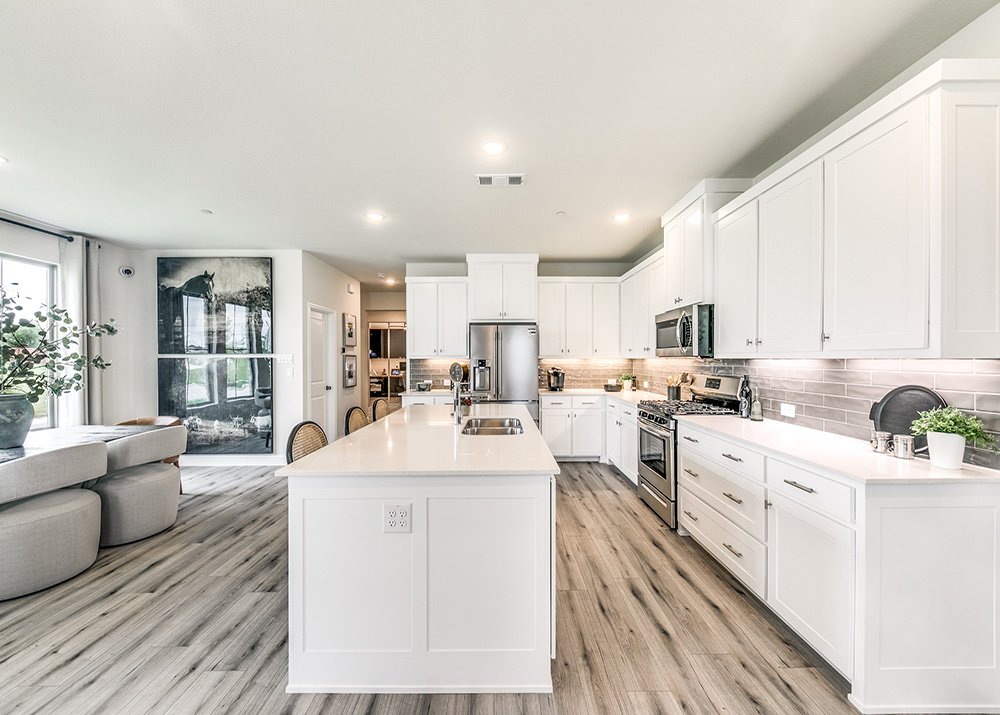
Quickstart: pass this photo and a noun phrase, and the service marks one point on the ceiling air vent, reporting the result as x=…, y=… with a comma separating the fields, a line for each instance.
x=499, y=179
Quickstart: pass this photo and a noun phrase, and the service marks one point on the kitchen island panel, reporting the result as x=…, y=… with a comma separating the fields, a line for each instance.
x=463, y=603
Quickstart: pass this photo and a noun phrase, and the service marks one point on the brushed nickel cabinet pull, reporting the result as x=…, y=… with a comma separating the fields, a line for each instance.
x=730, y=496
x=693, y=474
x=799, y=486
x=690, y=439
x=729, y=456
x=738, y=554
x=693, y=517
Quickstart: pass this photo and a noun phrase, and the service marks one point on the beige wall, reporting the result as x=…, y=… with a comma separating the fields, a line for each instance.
x=327, y=286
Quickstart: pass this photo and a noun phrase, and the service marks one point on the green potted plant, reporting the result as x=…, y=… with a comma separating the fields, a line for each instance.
x=947, y=430
x=39, y=354
x=626, y=380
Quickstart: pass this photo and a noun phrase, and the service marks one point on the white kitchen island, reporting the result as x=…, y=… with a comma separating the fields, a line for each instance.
x=422, y=559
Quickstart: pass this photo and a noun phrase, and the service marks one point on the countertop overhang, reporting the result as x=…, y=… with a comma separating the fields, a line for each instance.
x=423, y=440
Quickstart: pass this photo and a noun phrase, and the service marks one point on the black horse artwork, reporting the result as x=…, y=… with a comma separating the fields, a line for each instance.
x=179, y=307
x=214, y=319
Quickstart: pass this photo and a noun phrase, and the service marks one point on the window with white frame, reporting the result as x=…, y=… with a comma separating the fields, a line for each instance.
x=33, y=283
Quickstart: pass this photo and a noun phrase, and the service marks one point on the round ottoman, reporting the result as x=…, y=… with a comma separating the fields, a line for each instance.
x=46, y=539
x=137, y=502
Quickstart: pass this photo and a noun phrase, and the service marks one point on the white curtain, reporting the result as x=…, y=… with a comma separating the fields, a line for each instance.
x=78, y=292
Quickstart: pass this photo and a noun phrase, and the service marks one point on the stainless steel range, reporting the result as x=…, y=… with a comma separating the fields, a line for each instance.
x=711, y=395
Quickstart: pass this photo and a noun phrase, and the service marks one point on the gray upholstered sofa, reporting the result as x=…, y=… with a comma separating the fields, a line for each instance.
x=51, y=528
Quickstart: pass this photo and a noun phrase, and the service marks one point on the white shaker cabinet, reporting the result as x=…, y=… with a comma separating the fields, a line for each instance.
x=577, y=317
x=769, y=296
x=736, y=284
x=573, y=426
x=437, y=318
x=502, y=286
x=643, y=296
x=876, y=236
x=606, y=319
x=688, y=242
x=557, y=429
x=626, y=326
x=810, y=577
x=790, y=264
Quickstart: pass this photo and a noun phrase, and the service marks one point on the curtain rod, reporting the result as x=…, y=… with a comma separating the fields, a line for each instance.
x=35, y=228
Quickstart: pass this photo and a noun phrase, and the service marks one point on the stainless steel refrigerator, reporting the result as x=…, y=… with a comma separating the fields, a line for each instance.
x=504, y=364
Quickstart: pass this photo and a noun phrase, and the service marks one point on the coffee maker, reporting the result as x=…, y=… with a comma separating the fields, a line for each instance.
x=556, y=379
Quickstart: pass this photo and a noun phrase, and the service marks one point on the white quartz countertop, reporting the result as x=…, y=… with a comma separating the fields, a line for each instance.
x=422, y=440
x=436, y=391
x=844, y=456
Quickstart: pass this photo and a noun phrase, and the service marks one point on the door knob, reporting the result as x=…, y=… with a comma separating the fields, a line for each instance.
x=329, y=387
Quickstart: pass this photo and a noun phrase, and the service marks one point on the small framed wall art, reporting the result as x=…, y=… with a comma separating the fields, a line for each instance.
x=350, y=330
x=350, y=370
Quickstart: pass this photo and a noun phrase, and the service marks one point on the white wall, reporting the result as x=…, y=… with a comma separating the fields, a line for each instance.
x=327, y=286
x=979, y=39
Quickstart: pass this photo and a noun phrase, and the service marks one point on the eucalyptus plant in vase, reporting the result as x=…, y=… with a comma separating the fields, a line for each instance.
x=39, y=354
x=947, y=430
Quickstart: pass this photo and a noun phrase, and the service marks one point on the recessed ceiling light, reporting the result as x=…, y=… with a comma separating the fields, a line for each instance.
x=374, y=216
x=623, y=217
x=390, y=281
x=494, y=147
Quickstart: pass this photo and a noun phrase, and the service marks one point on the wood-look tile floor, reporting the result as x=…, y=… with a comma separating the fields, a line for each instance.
x=194, y=620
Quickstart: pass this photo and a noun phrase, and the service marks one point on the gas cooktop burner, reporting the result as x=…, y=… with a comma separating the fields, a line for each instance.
x=683, y=407
x=661, y=410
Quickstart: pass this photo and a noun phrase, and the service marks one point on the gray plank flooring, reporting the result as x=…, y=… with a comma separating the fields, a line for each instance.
x=193, y=620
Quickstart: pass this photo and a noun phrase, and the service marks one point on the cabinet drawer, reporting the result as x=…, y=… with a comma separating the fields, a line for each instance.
x=818, y=492
x=628, y=412
x=547, y=401
x=737, y=499
x=587, y=401
x=740, y=459
x=743, y=555
x=613, y=408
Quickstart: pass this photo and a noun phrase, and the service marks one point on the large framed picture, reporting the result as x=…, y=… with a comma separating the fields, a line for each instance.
x=350, y=370
x=213, y=306
x=350, y=330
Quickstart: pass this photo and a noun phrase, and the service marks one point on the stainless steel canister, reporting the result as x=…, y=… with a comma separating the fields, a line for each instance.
x=903, y=446
x=881, y=441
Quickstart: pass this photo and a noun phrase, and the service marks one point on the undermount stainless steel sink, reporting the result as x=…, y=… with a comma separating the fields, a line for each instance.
x=493, y=426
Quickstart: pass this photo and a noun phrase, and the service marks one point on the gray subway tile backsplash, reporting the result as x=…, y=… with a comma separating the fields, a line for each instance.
x=832, y=395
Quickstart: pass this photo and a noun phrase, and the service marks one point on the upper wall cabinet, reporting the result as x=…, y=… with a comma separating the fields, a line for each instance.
x=577, y=317
x=502, y=286
x=688, y=242
x=437, y=318
x=876, y=236
x=881, y=240
x=770, y=270
x=643, y=297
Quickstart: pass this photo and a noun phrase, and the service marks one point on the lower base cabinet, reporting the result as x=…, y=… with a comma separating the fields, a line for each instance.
x=810, y=575
x=573, y=426
x=622, y=438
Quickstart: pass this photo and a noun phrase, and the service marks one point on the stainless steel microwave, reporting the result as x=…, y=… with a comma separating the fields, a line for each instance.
x=687, y=332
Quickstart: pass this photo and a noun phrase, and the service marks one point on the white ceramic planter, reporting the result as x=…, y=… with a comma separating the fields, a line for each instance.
x=946, y=450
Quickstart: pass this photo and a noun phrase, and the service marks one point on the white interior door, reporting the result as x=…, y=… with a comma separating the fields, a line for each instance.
x=322, y=395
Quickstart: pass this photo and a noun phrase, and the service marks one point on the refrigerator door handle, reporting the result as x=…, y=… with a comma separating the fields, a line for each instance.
x=498, y=363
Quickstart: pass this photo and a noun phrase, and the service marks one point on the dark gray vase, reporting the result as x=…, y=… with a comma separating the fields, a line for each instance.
x=16, y=414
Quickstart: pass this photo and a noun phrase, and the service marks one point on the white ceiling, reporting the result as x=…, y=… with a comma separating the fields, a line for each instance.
x=290, y=120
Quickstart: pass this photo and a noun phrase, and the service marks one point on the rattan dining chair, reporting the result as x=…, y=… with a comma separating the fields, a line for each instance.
x=380, y=408
x=306, y=437
x=355, y=420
